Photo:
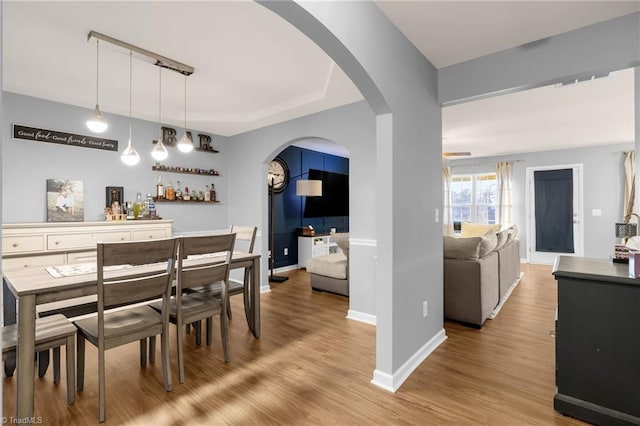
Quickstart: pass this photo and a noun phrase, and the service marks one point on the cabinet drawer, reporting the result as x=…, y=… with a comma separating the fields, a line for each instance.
x=22, y=244
x=82, y=257
x=79, y=241
x=12, y=264
x=320, y=251
x=149, y=234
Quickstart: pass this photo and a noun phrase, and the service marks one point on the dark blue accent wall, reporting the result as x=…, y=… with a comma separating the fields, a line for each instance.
x=289, y=208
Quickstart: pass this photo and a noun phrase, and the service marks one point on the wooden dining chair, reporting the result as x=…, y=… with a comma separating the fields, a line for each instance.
x=129, y=273
x=203, y=268
x=52, y=332
x=245, y=240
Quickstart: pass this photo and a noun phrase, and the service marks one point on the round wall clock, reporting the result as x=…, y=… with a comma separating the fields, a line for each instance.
x=278, y=174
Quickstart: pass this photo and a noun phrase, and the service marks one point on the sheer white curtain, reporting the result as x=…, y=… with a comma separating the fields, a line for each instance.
x=629, y=182
x=447, y=214
x=505, y=203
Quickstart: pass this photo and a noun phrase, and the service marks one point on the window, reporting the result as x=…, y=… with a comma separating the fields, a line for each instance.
x=474, y=198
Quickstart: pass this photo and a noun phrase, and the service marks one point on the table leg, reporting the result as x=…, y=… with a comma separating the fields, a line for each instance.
x=246, y=298
x=25, y=353
x=255, y=297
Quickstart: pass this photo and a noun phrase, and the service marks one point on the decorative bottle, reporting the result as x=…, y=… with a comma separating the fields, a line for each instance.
x=169, y=192
x=159, y=189
x=186, y=196
x=207, y=194
x=178, y=191
x=213, y=192
x=151, y=207
x=137, y=206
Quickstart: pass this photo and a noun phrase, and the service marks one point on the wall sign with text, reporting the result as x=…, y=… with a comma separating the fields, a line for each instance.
x=62, y=138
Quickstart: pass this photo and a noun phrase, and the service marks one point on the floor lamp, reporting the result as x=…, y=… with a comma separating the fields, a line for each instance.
x=304, y=188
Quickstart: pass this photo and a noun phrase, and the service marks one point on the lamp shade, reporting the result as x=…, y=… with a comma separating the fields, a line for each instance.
x=309, y=188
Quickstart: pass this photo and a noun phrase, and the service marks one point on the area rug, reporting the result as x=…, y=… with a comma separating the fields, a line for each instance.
x=506, y=296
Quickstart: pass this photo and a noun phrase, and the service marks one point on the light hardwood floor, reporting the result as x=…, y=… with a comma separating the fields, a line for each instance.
x=313, y=366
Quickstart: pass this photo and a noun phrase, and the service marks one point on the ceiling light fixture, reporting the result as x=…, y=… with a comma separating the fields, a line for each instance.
x=159, y=151
x=97, y=123
x=129, y=156
x=185, y=144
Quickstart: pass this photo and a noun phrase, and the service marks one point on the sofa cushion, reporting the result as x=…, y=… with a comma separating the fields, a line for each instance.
x=461, y=248
x=332, y=265
x=342, y=239
x=469, y=247
x=488, y=243
x=477, y=229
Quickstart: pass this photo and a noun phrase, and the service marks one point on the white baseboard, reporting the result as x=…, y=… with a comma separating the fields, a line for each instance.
x=286, y=269
x=361, y=316
x=393, y=382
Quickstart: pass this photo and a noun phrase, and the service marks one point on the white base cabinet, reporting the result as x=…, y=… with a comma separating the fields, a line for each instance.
x=310, y=247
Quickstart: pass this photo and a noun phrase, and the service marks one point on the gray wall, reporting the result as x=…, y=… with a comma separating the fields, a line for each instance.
x=27, y=165
x=352, y=126
x=602, y=183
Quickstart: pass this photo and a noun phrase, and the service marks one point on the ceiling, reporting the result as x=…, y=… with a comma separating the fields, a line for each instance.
x=253, y=69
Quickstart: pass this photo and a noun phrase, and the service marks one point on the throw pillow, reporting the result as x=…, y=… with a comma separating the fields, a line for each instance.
x=461, y=248
x=488, y=243
x=502, y=238
x=342, y=239
x=513, y=233
x=477, y=229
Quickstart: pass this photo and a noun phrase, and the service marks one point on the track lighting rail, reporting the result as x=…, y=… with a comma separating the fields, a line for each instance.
x=161, y=61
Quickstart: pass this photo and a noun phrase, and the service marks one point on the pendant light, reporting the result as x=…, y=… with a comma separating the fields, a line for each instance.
x=185, y=144
x=97, y=123
x=129, y=156
x=159, y=151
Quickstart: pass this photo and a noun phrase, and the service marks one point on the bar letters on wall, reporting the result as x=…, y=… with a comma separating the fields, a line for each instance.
x=54, y=136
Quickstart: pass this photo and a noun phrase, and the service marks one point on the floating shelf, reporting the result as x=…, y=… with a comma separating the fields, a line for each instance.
x=186, y=202
x=185, y=170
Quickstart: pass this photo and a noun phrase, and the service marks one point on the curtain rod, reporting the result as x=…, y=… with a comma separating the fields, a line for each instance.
x=483, y=164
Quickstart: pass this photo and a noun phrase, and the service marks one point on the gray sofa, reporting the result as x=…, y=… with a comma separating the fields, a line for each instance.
x=478, y=272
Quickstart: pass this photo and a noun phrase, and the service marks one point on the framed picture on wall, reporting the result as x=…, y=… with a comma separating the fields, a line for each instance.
x=65, y=200
x=114, y=193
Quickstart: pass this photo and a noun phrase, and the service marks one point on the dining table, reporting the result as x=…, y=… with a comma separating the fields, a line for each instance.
x=37, y=285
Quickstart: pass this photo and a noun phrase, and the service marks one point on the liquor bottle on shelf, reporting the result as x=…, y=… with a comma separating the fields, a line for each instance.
x=213, y=192
x=207, y=194
x=186, y=196
x=178, y=191
x=137, y=206
x=128, y=210
x=169, y=192
x=151, y=207
x=200, y=196
x=159, y=189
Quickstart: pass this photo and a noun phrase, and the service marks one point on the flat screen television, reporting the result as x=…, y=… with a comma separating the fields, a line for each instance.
x=335, y=195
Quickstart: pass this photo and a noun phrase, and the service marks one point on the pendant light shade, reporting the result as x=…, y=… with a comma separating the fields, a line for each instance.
x=185, y=144
x=159, y=151
x=97, y=123
x=130, y=156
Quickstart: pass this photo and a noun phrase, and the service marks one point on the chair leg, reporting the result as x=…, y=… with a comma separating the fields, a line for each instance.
x=188, y=328
x=166, y=366
x=209, y=331
x=229, y=309
x=198, y=328
x=56, y=364
x=70, y=352
x=101, y=386
x=180, y=339
x=143, y=353
x=43, y=362
x=225, y=336
x=152, y=349
x=9, y=367
x=80, y=362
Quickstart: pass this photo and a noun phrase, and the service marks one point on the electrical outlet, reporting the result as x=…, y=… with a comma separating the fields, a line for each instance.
x=437, y=215
x=286, y=251
x=425, y=309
